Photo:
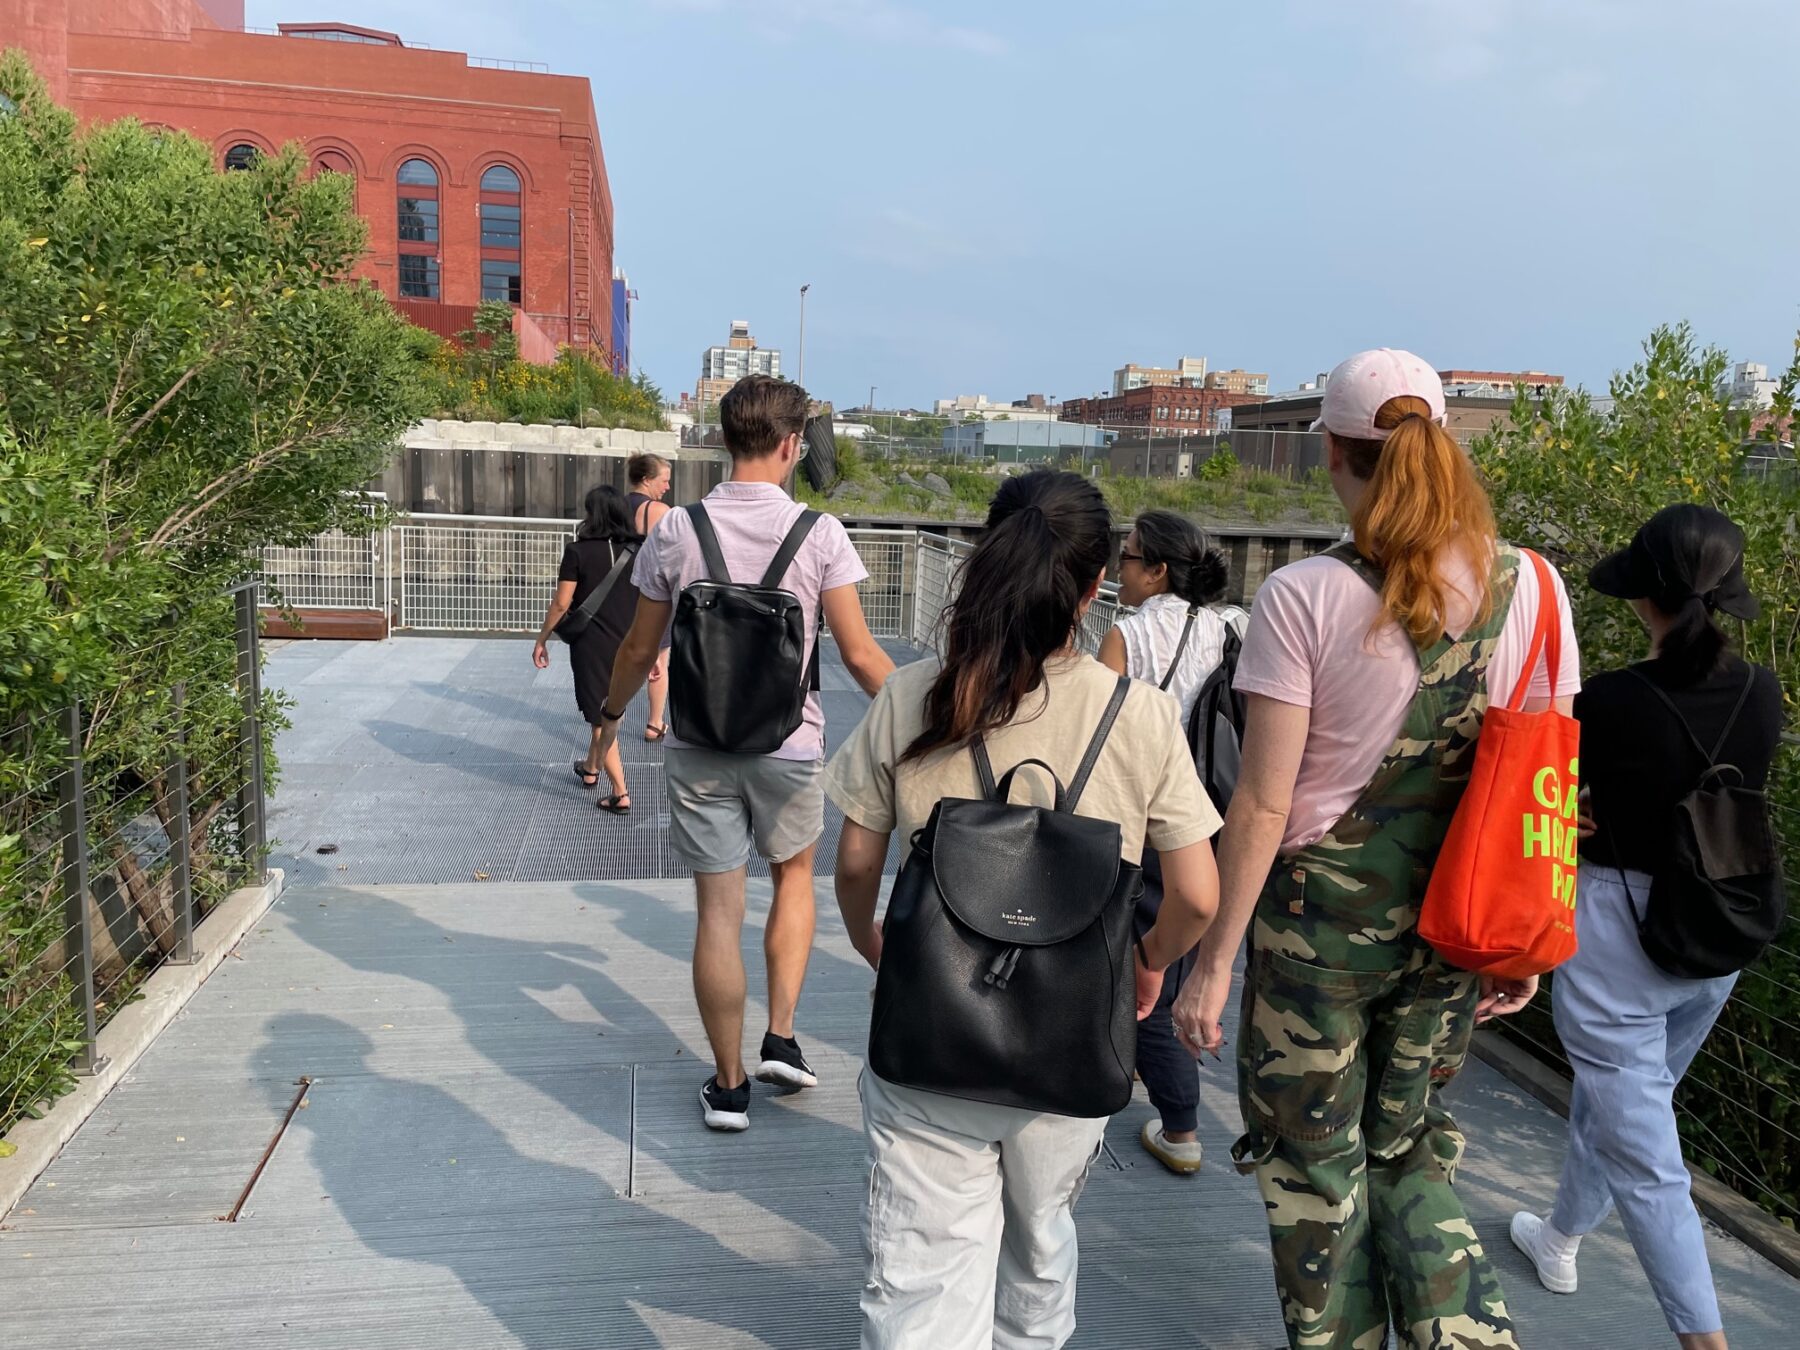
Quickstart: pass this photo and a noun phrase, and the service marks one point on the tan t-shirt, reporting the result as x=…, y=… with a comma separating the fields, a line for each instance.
x=1144, y=779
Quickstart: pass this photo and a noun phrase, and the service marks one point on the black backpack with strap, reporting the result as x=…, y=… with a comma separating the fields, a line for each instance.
x=1215, y=729
x=1006, y=961
x=1719, y=899
x=738, y=670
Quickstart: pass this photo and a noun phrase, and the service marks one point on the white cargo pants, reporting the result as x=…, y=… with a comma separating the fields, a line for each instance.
x=969, y=1224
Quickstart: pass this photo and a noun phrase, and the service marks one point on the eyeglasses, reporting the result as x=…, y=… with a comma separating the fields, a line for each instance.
x=1125, y=557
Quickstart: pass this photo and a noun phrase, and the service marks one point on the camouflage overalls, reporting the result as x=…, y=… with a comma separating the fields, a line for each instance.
x=1350, y=1021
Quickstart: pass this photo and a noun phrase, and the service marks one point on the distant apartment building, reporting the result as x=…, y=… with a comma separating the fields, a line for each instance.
x=623, y=299
x=723, y=366
x=1238, y=382
x=1176, y=410
x=1189, y=370
x=1750, y=385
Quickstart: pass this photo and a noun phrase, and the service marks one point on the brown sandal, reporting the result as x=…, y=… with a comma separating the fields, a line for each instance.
x=611, y=805
x=655, y=731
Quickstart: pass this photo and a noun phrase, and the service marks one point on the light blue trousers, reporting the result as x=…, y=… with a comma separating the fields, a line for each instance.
x=1631, y=1031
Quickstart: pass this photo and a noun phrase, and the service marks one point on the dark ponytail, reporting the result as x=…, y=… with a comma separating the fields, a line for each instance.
x=1197, y=571
x=1048, y=539
x=1694, y=647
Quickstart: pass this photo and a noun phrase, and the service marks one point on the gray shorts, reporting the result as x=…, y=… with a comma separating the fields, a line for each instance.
x=719, y=803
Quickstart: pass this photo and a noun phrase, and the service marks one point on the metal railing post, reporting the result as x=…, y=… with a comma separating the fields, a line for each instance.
x=183, y=841
x=252, y=825
x=77, y=913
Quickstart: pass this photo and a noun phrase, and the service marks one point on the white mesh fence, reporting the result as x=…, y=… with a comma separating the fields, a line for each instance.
x=475, y=578
x=887, y=556
x=334, y=571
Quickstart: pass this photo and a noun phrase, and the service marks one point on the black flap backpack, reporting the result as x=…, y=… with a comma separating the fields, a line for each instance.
x=738, y=673
x=1719, y=899
x=1006, y=960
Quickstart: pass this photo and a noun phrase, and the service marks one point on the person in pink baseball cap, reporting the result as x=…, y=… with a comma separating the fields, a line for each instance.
x=1367, y=671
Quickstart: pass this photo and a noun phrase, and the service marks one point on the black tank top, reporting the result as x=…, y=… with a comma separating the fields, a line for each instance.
x=637, y=501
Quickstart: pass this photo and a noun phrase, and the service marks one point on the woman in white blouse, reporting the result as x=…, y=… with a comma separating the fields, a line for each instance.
x=1173, y=578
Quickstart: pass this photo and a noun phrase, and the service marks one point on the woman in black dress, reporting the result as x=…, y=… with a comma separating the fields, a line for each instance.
x=605, y=538
x=650, y=478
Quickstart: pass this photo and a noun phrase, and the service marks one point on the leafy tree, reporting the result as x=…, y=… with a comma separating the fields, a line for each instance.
x=1576, y=478
x=186, y=376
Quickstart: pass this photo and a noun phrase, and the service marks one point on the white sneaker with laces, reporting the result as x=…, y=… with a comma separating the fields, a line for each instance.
x=1555, y=1260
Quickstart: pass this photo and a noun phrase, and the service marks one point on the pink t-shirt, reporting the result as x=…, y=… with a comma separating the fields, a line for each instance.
x=751, y=520
x=1309, y=644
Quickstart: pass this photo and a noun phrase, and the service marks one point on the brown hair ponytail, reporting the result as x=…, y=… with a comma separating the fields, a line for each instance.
x=1423, y=500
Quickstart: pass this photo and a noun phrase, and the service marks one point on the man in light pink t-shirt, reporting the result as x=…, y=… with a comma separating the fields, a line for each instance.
x=721, y=803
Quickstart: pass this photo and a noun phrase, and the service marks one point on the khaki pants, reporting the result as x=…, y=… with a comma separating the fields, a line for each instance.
x=970, y=1226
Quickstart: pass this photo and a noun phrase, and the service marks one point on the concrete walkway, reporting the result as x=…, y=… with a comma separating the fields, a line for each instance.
x=500, y=1145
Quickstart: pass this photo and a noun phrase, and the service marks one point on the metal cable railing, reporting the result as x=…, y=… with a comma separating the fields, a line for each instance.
x=107, y=861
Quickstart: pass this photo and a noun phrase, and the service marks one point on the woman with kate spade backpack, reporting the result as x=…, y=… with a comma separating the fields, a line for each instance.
x=1680, y=889
x=1368, y=672
x=1025, y=781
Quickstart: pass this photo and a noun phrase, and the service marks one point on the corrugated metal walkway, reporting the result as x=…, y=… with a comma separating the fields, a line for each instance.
x=501, y=1147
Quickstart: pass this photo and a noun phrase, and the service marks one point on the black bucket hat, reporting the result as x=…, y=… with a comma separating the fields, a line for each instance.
x=1681, y=552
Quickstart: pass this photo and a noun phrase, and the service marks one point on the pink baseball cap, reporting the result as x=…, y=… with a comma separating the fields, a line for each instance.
x=1358, y=388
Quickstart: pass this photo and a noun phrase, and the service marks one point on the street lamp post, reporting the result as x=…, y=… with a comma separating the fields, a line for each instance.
x=803, y=290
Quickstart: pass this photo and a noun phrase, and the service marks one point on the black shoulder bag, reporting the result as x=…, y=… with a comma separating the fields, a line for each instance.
x=738, y=671
x=573, y=624
x=1718, y=899
x=1006, y=961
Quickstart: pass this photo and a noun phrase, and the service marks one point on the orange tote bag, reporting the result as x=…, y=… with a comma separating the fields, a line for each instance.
x=1502, y=896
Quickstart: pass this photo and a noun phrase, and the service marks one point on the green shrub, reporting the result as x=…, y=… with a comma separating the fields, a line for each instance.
x=187, y=374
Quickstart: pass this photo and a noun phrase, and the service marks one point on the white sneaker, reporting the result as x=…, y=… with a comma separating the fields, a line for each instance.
x=1555, y=1269
x=1181, y=1157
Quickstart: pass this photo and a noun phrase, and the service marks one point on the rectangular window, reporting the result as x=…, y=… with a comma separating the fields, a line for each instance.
x=418, y=276
x=500, y=281
x=499, y=226
x=419, y=220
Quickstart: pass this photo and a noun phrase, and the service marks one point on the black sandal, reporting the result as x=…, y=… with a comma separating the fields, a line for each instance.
x=611, y=806
x=655, y=731
x=588, y=780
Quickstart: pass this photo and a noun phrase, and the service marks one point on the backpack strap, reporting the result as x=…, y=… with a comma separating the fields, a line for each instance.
x=621, y=559
x=1181, y=646
x=710, y=552
x=1711, y=757
x=784, y=556
x=1079, y=782
x=1065, y=800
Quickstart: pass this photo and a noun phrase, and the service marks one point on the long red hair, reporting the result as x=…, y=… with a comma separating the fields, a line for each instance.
x=1423, y=501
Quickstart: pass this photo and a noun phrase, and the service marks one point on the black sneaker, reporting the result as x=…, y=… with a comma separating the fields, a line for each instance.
x=783, y=1064
x=726, y=1110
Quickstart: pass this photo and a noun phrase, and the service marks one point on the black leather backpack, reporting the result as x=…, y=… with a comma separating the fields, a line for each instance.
x=738, y=673
x=1719, y=899
x=1006, y=961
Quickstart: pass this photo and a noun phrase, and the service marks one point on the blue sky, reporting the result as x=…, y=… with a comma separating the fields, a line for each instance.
x=1006, y=197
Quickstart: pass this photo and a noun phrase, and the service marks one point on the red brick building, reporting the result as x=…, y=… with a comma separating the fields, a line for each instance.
x=1176, y=410
x=478, y=180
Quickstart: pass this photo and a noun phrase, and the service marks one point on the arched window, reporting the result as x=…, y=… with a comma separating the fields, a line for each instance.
x=241, y=156
x=416, y=223
x=502, y=227
x=333, y=161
